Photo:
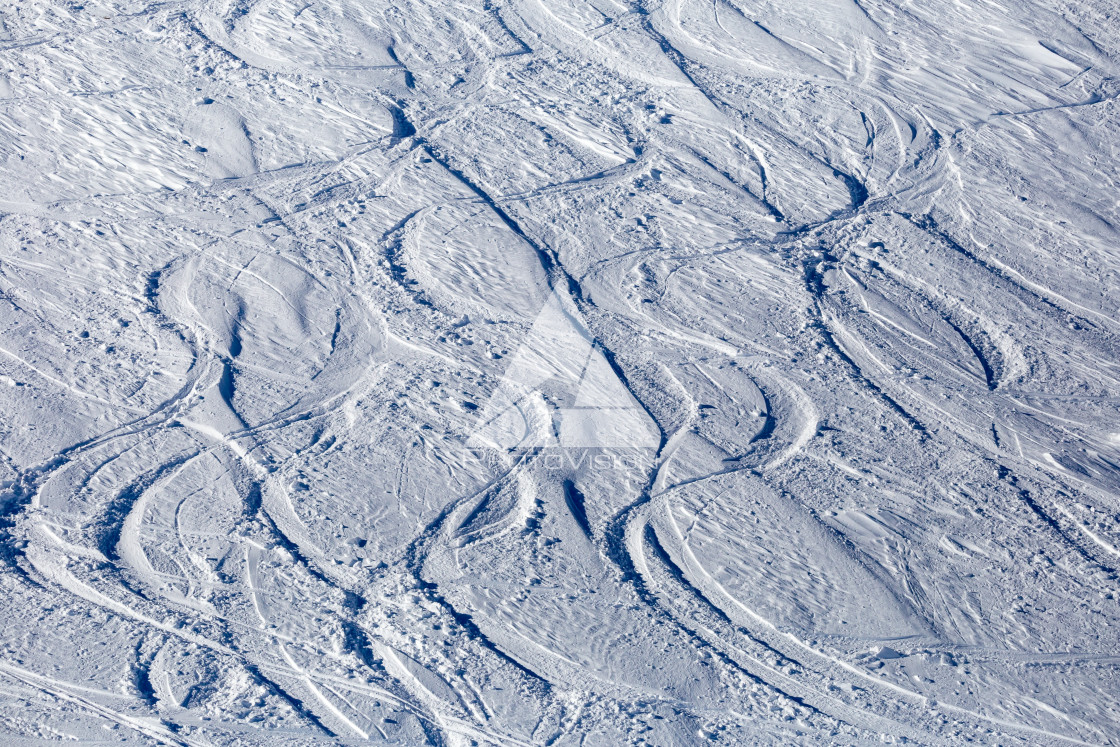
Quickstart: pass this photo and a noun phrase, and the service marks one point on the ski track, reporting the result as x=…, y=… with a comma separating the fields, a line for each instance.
x=850, y=266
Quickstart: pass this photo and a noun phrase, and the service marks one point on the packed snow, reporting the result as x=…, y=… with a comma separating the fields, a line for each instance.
x=560, y=372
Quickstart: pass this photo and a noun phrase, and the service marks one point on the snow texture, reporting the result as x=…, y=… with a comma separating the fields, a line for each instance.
x=559, y=372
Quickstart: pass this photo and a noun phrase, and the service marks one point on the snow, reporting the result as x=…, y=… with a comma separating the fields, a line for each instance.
x=559, y=372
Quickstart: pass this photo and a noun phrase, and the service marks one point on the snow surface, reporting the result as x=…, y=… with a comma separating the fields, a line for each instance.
x=560, y=372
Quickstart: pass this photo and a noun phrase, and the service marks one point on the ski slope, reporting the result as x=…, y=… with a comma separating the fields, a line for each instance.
x=560, y=372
